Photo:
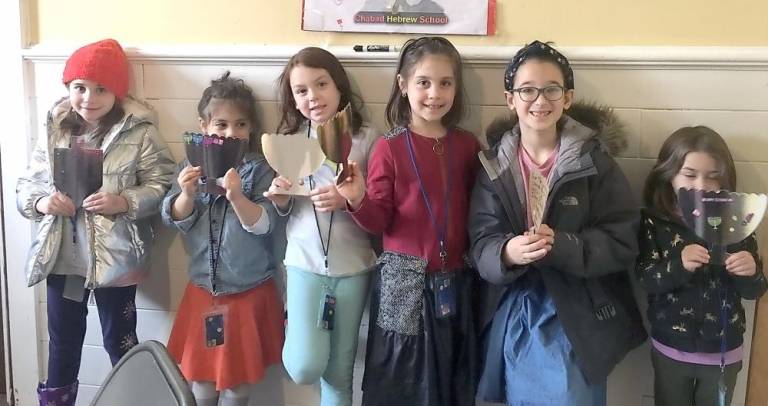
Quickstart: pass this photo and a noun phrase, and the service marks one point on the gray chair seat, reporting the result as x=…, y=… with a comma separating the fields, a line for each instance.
x=146, y=375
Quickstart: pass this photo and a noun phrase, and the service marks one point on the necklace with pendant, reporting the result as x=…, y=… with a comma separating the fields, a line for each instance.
x=438, y=148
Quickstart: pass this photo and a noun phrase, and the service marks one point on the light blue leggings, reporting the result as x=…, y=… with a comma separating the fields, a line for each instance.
x=311, y=353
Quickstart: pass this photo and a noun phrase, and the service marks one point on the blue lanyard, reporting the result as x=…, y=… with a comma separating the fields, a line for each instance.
x=441, y=231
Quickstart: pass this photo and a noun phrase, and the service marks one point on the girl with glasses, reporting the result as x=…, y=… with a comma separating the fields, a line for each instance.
x=552, y=225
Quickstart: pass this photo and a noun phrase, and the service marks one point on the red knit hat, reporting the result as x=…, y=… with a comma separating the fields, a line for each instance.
x=103, y=62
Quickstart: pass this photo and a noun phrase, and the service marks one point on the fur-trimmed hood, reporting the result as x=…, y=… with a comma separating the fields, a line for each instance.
x=610, y=132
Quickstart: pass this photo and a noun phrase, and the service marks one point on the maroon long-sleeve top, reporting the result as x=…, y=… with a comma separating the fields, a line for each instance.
x=394, y=207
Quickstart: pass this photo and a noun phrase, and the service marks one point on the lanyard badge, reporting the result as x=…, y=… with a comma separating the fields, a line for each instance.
x=327, y=312
x=213, y=326
x=445, y=294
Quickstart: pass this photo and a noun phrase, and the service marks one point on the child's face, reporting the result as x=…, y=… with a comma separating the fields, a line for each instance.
x=431, y=88
x=226, y=120
x=90, y=100
x=541, y=114
x=315, y=93
x=699, y=171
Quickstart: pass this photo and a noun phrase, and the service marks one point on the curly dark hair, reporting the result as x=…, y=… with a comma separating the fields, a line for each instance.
x=235, y=91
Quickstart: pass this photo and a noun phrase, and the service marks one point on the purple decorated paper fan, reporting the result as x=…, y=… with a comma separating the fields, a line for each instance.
x=221, y=154
x=193, y=146
x=215, y=155
x=721, y=218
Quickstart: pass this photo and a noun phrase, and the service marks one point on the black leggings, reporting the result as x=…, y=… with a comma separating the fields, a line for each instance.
x=683, y=384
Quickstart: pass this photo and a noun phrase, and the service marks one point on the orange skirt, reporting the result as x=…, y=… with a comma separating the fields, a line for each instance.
x=253, y=336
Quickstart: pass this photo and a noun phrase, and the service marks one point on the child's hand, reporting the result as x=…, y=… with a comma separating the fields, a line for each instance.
x=545, y=231
x=327, y=198
x=741, y=263
x=233, y=185
x=526, y=248
x=105, y=203
x=279, y=183
x=694, y=256
x=188, y=179
x=353, y=187
x=57, y=204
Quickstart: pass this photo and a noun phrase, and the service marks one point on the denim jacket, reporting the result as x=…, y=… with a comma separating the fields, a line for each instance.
x=245, y=259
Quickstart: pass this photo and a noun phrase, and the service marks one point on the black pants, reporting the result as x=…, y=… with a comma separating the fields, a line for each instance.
x=66, y=327
x=683, y=384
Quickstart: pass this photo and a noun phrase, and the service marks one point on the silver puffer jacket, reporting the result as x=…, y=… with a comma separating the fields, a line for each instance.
x=137, y=165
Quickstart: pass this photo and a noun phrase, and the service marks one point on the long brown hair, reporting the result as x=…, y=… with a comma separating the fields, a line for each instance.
x=398, y=109
x=658, y=192
x=317, y=58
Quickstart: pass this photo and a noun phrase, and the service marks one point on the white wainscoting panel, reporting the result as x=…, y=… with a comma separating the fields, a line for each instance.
x=654, y=91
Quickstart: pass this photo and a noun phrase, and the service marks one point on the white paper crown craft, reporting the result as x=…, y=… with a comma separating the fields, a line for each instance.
x=721, y=218
x=294, y=157
x=335, y=136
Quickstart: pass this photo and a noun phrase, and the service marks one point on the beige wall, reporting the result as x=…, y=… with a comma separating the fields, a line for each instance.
x=651, y=98
x=568, y=22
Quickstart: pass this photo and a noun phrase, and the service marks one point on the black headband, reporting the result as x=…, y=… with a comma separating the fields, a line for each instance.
x=538, y=50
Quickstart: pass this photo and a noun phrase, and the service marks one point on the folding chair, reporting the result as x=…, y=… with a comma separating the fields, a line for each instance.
x=145, y=376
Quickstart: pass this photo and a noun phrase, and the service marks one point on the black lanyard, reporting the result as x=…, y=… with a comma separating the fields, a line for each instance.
x=326, y=248
x=215, y=245
x=440, y=230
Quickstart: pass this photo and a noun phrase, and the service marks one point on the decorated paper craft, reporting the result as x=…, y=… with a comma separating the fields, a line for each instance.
x=721, y=218
x=77, y=171
x=293, y=157
x=538, y=191
x=335, y=137
x=193, y=146
x=215, y=155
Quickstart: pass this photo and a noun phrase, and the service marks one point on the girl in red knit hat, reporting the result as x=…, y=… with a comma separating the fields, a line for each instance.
x=228, y=330
x=99, y=245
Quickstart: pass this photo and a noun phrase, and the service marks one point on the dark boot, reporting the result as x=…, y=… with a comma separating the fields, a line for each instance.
x=62, y=396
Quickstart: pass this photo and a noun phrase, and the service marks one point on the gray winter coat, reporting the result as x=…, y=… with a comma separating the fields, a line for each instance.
x=591, y=208
x=137, y=165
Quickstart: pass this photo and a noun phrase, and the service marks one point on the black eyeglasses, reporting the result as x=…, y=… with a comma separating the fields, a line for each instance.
x=530, y=93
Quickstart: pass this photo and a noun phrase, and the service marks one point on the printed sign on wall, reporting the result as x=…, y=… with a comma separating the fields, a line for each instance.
x=468, y=17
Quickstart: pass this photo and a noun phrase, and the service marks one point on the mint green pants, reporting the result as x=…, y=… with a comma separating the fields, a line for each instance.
x=312, y=353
